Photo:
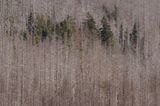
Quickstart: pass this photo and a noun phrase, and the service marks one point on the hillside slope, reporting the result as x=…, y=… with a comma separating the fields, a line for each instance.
x=85, y=73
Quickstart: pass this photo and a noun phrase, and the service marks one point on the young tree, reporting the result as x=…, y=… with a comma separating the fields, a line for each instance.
x=65, y=29
x=134, y=36
x=125, y=47
x=30, y=23
x=121, y=35
x=106, y=33
x=90, y=22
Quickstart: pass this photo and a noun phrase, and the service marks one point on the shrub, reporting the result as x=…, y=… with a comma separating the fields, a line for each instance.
x=106, y=33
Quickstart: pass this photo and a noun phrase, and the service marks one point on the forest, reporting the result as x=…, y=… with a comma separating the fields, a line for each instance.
x=79, y=52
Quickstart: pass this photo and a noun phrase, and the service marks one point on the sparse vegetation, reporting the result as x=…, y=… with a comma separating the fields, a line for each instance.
x=65, y=29
x=106, y=33
x=111, y=15
x=90, y=23
x=39, y=28
x=44, y=28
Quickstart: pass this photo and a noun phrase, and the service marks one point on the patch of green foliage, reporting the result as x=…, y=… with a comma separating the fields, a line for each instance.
x=43, y=28
x=37, y=39
x=39, y=28
x=107, y=37
x=65, y=29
